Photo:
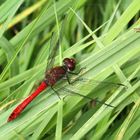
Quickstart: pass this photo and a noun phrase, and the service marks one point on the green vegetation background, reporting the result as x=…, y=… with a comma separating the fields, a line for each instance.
x=101, y=36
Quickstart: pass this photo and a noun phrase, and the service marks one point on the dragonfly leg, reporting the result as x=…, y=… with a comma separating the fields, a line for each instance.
x=68, y=79
x=75, y=80
x=56, y=92
x=76, y=73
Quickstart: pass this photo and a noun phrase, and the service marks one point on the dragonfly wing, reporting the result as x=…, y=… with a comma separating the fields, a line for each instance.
x=54, y=45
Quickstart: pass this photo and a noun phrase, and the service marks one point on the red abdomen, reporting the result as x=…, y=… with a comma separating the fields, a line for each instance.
x=54, y=74
x=23, y=105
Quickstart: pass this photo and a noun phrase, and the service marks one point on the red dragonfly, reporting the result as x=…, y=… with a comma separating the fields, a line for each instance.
x=52, y=76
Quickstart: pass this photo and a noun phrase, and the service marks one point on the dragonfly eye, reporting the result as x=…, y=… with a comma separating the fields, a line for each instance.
x=69, y=63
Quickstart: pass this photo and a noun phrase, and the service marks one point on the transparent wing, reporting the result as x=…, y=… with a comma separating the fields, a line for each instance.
x=54, y=45
x=86, y=97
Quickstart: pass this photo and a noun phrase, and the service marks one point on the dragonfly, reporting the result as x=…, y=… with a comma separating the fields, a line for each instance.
x=52, y=76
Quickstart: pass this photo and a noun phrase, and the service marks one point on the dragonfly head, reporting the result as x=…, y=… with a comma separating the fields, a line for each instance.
x=69, y=63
